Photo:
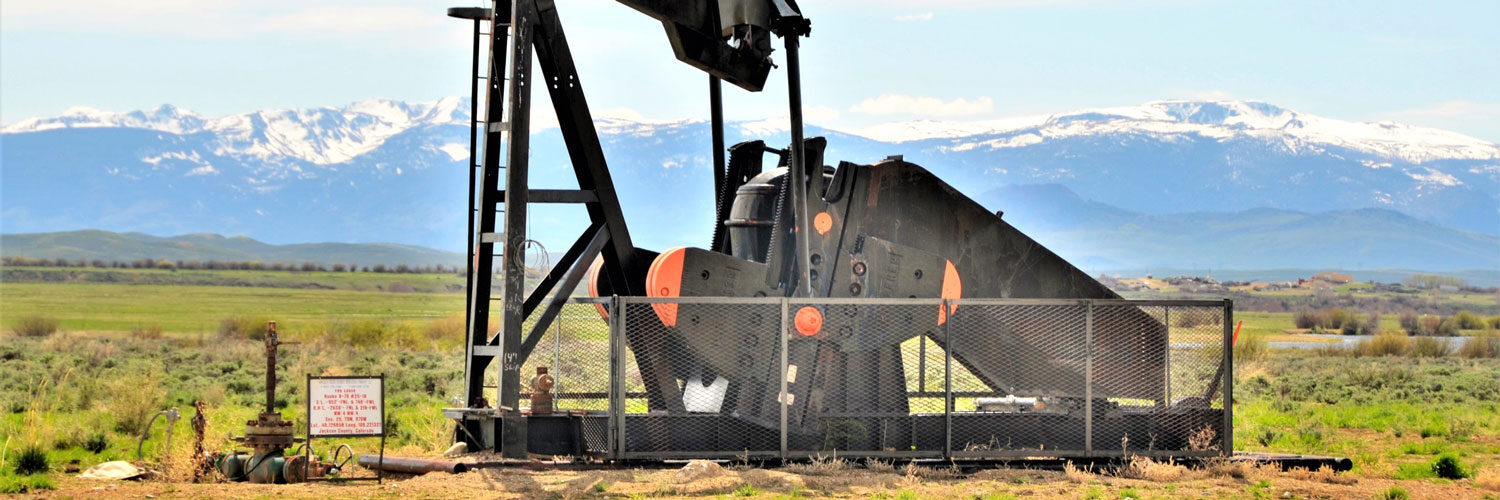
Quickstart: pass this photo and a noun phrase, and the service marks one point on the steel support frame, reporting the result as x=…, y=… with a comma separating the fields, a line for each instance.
x=534, y=28
x=616, y=436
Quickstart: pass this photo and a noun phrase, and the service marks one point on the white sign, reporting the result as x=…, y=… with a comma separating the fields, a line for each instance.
x=338, y=407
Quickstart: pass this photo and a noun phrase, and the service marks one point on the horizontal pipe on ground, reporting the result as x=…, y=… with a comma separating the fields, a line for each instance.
x=411, y=465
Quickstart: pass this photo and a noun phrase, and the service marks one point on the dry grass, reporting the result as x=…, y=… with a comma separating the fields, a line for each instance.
x=134, y=400
x=35, y=326
x=879, y=466
x=1251, y=349
x=1488, y=479
x=821, y=466
x=1323, y=474
x=1430, y=347
x=1141, y=467
x=1385, y=344
x=1485, y=344
x=1203, y=439
x=146, y=332
x=1083, y=475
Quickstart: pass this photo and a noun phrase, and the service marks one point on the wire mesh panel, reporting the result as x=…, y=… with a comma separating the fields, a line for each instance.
x=580, y=357
x=865, y=378
x=704, y=377
x=1152, y=369
x=1019, y=379
x=701, y=378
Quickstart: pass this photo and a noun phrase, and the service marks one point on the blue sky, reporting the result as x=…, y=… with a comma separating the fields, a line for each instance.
x=871, y=61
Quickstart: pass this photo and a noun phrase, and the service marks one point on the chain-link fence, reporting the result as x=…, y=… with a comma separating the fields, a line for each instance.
x=920, y=378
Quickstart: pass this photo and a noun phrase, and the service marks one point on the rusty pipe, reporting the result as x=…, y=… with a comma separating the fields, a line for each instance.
x=411, y=465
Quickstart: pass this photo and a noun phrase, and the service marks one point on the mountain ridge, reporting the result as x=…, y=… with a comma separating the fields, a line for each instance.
x=273, y=173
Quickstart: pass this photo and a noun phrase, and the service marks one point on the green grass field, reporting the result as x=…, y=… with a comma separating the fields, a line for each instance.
x=1392, y=415
x=360, y=281
x=194, y=309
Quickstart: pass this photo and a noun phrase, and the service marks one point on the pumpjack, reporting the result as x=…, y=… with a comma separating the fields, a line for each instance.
x=798, y=229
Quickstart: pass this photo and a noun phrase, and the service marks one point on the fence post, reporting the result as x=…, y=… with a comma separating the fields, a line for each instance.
x=1088, y=379
x=781, y=402
x=1166, y=368
x=947, y=379
x=617, y=376
x=1228, y=380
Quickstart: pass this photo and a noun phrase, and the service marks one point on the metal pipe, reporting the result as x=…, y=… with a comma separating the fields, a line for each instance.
x=473, y=163
x=411, y=465
x=716, y=117
x=797, y=172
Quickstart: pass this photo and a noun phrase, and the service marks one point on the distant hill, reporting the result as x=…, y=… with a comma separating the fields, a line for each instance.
x=109, y=246
x=1101, y=237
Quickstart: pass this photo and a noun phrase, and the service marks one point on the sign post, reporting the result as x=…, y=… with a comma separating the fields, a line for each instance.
x=346, y=407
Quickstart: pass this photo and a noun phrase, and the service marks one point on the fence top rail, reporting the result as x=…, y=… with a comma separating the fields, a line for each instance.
x=897, y=301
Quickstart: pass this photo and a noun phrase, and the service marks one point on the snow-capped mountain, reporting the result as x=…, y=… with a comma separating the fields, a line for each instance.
x=321, y=136
x=380, y=170
x=1221, y=120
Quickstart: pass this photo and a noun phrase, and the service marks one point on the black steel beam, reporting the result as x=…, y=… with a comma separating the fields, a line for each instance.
x=576, y=123
x=698, y=16
x=558, y=196
x=513, y=267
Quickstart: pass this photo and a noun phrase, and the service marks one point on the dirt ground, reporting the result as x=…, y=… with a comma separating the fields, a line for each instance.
x=817, y=481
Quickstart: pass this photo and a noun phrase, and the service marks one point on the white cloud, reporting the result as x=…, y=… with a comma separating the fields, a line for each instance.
x=925, y=16
x=896, y=104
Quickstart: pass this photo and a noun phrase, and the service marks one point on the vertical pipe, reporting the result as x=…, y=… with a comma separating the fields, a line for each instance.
x=716, y=118
x=1088, y=380
x=947, y=380
x=1228, y=381
x=473, y=163
x=271, y=368
x=797, y=172
x=782, y=401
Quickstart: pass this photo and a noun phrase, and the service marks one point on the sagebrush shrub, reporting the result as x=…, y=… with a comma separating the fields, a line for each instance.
x=35, y=326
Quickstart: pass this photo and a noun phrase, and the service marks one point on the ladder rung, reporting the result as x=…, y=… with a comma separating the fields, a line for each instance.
x=499, y=126
x=491, y=237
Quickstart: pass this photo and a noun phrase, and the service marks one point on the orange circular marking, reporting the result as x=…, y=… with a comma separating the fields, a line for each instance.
x=809, y=321
x=823, y=222
x=664, y=279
